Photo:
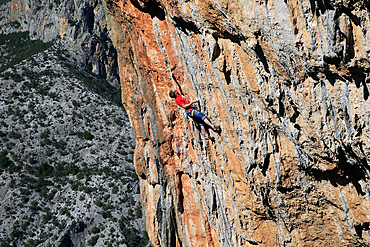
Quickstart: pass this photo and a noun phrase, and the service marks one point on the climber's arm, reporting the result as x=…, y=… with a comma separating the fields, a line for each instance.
x=186, y=106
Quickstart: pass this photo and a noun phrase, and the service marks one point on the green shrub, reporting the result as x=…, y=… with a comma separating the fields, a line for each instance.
x=25, y=225
x=64, y=169
x=61, y=145
x=5, y=244
x=44, y=170
x=47, y=217
x=41, y=185
x=5, y=162
x=133, y=238
x=93, y=240
x=72, y=23
x=85, y=135
x=34, y=242
x=138, y=212
x=43, y=90
x=115, y=190
x=51, y=195
x=99, y=203
x=16, y=234
x=75, y=103
x=26, y=180
x=32, y=160
x=2, y=134
x=95, y=230
x=134, y=176
x=25, y=192
x=64, y=211
x=34, y=207
x=12, y=183
x=14, y=168
x=106, y=214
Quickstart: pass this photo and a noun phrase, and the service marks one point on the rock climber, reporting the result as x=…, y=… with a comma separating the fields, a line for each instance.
x=197, y=116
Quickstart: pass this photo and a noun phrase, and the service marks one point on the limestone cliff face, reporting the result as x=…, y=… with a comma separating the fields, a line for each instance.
x=288, y=83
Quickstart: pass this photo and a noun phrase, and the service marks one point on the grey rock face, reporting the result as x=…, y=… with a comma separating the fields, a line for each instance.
x=80, y=26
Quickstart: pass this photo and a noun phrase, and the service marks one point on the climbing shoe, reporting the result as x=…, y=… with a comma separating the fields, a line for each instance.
x=210, y=138
x=217, y=129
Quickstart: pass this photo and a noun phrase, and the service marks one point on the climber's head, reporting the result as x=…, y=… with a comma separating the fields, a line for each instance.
x=174, y=94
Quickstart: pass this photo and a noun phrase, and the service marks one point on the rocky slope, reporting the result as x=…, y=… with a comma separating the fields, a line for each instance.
x=67, y=177
x=288, y=83
x=66, y=152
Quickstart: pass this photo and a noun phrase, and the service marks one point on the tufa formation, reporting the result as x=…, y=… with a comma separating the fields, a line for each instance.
x=288, y=83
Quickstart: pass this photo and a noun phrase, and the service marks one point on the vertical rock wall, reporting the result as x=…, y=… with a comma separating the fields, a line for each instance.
x=288, y=83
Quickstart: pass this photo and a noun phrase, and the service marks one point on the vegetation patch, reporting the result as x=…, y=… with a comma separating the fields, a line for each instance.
x=15, y=47
x=98, y=85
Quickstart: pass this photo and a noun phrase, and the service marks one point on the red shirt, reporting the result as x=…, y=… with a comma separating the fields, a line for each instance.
x=180, y=100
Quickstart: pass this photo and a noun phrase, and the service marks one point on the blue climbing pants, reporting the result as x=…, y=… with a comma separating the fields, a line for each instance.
x=197, y=116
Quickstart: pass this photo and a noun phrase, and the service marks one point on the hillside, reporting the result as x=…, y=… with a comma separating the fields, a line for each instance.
x=66, y=155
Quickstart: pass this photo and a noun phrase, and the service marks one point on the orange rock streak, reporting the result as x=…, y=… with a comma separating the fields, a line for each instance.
x=285, y=170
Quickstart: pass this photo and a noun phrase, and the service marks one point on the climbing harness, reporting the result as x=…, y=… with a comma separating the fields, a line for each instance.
x=191, y=111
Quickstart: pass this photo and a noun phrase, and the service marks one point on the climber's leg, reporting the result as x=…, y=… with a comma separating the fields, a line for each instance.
x=206, y=133
x=201, y=116
x=206, y=121
x=215, y=128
